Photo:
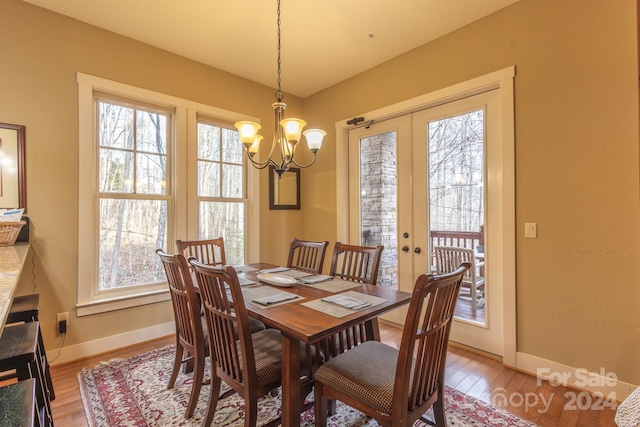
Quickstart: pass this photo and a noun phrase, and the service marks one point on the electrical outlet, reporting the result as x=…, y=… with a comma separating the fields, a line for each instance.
x=62, y=317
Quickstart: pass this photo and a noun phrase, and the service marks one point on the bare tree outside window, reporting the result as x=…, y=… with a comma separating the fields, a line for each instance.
x=221, y=188
x=132, y=193
x=456, y=164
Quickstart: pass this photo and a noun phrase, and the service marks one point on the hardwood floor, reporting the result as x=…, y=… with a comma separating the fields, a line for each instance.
x=463, y=310
x=476, y=375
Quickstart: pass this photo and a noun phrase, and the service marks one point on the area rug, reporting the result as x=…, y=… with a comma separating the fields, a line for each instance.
x=133, y=392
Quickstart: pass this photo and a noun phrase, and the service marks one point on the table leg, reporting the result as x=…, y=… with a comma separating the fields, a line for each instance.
x=290, y=381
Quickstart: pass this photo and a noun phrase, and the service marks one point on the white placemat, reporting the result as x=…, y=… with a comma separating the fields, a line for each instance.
x=335, y=285
x=338, y=311
x=273, y=270
x=243, y=269
x=295, y=273
x=251, y=293
x=285, y=271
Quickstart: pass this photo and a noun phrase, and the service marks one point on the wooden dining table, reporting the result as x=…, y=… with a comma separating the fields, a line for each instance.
x=300, y=323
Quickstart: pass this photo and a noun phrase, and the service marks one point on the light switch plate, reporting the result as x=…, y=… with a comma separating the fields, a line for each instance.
x=530, y=230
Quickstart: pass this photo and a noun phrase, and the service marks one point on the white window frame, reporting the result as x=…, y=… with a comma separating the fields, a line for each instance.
x=182, y=215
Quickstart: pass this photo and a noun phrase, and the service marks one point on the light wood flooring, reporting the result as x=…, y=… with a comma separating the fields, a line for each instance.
x=476, y=375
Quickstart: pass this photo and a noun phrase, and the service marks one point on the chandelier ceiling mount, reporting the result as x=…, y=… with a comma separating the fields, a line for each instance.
x=287, y=133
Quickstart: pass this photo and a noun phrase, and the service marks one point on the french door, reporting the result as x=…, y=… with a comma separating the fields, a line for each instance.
x=427, y=179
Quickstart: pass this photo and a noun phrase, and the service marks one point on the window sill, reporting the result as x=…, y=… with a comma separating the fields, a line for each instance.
x=119, y=303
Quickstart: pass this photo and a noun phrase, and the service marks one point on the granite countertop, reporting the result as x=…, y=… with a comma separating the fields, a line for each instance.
x=12, y=259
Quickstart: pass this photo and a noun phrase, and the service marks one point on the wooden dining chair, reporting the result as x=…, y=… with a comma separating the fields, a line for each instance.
x=211, y=252
x=357, y=264
x=397, y=386
x=191, y=331
x=307, y=256
x=251, y=365
x=208, y=251
x=447, y=260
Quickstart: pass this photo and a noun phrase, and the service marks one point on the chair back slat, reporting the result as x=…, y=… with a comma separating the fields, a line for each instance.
x=209, y=251
x=448, y=258
x=307, y=256
x=226, y=313
x=423, y=348
x=358, y=264
x=186, y=306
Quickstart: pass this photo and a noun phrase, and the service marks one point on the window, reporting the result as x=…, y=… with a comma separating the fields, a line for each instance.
x=132, y=192
x=152, y=169
x=221, y=188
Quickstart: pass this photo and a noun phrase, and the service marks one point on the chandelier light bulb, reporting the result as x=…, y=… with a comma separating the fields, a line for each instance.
x=314, y=139
x=253, y=149
x=293, y=129
x=248, y=131
x=287, y=132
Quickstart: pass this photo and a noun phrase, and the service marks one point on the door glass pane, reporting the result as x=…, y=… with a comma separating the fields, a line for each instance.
x=378, y=212
x=456, y=204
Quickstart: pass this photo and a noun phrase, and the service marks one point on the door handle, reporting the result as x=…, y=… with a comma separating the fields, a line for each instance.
x=417, y=250
x=405, y=249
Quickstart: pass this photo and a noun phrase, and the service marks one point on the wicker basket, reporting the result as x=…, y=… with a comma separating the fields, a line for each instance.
x=9, y=232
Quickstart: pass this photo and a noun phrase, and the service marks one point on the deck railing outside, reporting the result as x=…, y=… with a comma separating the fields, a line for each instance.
x=460, y=239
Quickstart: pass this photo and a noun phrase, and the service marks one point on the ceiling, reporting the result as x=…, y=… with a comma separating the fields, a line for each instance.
x=323, y=41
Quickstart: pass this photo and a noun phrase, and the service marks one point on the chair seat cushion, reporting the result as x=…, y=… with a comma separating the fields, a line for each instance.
x=267, y=349
x=350, y=373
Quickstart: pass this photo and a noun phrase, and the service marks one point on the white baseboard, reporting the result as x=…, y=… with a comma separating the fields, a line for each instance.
x=91, y=348
x=601, y=383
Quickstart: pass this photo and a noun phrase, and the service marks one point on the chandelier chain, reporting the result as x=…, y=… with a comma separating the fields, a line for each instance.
x=279, y=96
x=287, y=131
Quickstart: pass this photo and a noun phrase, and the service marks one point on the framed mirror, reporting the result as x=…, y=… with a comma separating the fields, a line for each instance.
x=284, y=191
x=13, y=193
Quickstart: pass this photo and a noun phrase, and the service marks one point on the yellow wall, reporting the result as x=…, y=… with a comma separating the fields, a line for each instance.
x=576, y=108
x=577, y=157
x=42, y=52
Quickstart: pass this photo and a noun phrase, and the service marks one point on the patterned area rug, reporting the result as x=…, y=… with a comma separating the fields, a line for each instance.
x=133, y=392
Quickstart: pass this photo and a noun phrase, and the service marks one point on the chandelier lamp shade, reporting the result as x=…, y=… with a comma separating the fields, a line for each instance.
x=287, y=135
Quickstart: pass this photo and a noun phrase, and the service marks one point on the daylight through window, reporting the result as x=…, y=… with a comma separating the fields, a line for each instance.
x=132, y=192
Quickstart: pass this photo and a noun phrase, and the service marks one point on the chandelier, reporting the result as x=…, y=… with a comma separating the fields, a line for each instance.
x=286, y=137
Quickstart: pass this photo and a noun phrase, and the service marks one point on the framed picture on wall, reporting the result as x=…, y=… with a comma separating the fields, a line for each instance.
x=284, y=189
x=12, y=173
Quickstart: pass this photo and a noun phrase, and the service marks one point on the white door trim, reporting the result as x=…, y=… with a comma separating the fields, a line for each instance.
x=502, y=80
